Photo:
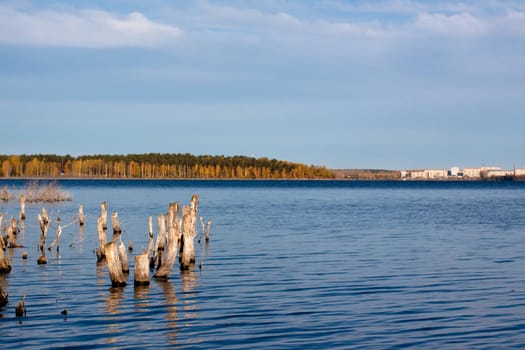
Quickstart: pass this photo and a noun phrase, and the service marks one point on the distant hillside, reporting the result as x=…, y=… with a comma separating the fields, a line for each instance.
x=157, y=166
x=367, y=174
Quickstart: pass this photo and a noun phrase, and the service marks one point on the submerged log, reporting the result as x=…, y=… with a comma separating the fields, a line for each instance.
x=118, y=279
x=172, y=244
x=141, y=272
x=81, y=215
x=22, y=207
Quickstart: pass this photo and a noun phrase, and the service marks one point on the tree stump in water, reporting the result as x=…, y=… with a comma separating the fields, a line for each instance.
x=114, y=266
x=104, y=215
x=81, y=215
x=115, y=223
x=5, y=264
x=123, y=255
x=102, y=238
x=22, y=207
x=189, y=221
x=172, y=244
x=141, y=272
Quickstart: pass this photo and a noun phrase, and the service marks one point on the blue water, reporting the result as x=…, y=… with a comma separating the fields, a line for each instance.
x=290, y=264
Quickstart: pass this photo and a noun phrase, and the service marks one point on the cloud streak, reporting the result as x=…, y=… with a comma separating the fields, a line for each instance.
x=82, y=28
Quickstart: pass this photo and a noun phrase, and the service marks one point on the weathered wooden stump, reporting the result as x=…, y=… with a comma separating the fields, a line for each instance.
x=115, y=223
x=123, y=255
x=118, y=279
x=5, y=263
x=22, y=207
x=81, y=216
x=141, y=272
x=102, y=239
x=189, y=221
x=172, y=243
x=4, y=297
x=104, y=215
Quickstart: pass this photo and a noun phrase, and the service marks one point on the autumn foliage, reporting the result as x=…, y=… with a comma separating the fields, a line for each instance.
x=157, y=166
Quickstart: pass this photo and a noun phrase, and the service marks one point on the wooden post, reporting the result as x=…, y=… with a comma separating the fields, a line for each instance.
x=114, y=266
x=22, y=207
x=81, y=215
x=172, y=244
x=123, y=255
x=115, y=223
x=141, y=272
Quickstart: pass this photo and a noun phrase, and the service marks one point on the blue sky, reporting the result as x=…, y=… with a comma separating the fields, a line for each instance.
x=395, y=84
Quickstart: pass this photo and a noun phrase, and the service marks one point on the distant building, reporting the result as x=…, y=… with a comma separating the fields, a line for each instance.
x=454, y=171
x=429, y=174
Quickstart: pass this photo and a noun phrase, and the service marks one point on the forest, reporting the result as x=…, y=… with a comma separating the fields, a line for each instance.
x=157, y=166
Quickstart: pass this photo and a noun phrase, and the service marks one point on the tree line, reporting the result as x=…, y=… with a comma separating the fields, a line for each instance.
x=157, y=166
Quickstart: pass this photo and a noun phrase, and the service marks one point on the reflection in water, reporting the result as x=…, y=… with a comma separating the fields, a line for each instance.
x=171, y=316
x=141, y=297
x=114, y=300
x=189, y=285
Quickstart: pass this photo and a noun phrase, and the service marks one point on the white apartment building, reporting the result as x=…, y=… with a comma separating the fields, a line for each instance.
x=429, y=174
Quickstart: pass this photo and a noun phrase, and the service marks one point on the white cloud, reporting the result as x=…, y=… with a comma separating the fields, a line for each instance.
x=85, y=28
x=462, y=24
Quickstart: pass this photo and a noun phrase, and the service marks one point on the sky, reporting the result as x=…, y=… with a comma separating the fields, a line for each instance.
x=387, y=84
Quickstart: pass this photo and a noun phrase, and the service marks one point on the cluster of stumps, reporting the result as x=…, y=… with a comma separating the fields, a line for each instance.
x=176, y=235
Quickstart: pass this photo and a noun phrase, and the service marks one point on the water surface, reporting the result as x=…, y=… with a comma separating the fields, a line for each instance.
x=290, y=264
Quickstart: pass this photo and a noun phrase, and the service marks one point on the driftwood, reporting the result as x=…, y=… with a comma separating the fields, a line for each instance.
x=141, y=272
x=118, y=279
x=22, y=207
x=81, y=215
x=172, y=244
x=189, y=221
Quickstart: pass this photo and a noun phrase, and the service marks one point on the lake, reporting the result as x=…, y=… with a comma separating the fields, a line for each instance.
x=289, y=265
